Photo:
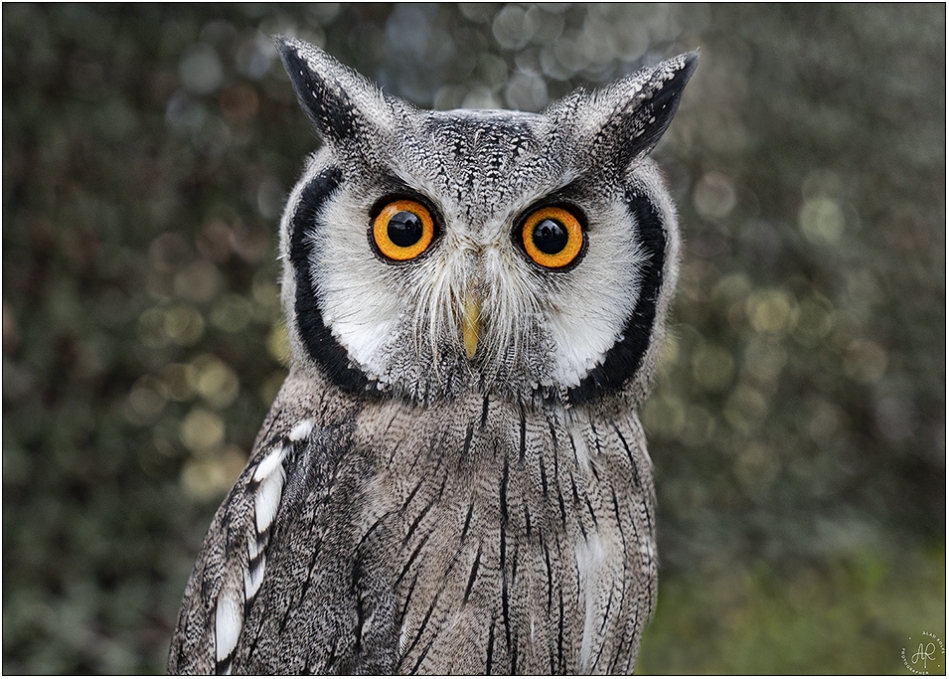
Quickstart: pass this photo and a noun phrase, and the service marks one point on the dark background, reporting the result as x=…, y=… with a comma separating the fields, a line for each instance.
x=798, y=424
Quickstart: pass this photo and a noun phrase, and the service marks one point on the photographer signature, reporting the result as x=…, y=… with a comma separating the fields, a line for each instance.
x=928, y=652
x=925, y=655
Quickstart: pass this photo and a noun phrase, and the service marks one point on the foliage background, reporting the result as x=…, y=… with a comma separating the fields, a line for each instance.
x=798, y=426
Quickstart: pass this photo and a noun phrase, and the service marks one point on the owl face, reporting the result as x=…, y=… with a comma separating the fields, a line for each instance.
x=430, y=254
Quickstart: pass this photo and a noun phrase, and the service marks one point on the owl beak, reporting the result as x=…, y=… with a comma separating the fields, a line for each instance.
x=471, y=322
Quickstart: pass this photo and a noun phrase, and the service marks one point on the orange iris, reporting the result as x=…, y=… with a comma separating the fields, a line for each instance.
x=403, y=230
x=552, y=237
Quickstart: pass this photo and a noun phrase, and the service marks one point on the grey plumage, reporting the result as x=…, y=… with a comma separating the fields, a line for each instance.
x=453, y=478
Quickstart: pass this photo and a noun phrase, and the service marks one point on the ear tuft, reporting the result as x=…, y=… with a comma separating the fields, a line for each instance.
x=632, y=114
x=340, y=103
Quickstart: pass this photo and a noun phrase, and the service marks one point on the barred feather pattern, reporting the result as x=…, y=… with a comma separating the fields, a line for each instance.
x=402, y=546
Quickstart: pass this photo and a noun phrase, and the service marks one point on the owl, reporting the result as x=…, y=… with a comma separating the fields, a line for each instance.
x=453, y=478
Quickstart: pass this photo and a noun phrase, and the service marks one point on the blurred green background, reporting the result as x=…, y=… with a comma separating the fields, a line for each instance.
x=798, y=424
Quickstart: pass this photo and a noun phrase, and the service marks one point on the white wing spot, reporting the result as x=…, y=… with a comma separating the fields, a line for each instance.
x=254, y=577
x=228, y=621
x=266, y=467
x=254, y=547
x=267, y=498
x=302, y=430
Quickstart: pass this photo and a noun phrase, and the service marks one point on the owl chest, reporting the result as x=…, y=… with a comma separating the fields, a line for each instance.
x=522, y=548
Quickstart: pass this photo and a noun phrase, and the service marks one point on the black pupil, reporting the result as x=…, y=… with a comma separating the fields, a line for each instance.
x=405, y=229
x=550, y=236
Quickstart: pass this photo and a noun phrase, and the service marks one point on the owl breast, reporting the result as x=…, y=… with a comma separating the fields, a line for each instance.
x=519, y=562
x=489, y=546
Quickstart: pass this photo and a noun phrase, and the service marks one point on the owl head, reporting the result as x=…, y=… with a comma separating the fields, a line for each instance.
x=431, y=254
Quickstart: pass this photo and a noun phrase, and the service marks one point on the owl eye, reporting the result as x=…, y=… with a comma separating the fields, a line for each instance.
x=403, y=230
x=552, y=237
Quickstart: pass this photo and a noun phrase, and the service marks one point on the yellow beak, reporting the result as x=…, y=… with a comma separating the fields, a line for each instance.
x=471, y=322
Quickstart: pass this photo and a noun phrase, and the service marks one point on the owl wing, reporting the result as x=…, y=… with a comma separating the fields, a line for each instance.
x=282, y=583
